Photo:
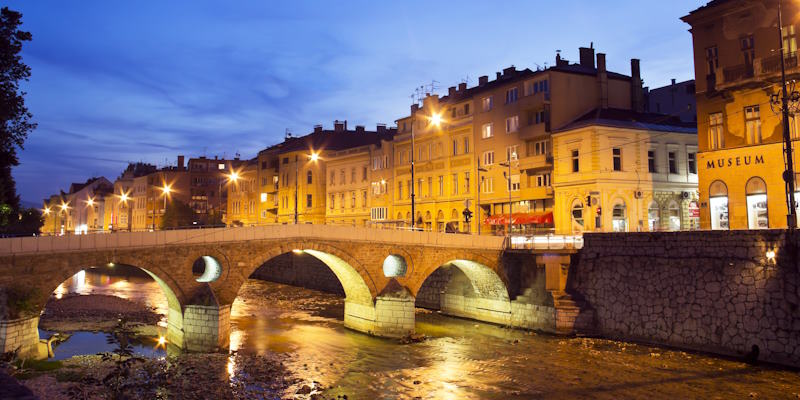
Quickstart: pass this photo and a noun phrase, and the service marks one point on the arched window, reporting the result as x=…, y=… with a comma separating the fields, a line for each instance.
x=577, y=217
x=309, y=177
x=718, y=205
x=428, y=222
x=619, y=218
x=756, y=192
x=454, y=215
x=654, y=217
x=440, y=221
x=674, y=211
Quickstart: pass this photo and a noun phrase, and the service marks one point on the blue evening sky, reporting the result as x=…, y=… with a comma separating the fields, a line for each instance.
x=114, y=82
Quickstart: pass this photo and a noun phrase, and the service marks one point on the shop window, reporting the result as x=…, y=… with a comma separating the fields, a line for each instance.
x=619, y=222
x=654, y=217
x=718, y=205
x=756, y=192
x=674, y=216
x=577, y=217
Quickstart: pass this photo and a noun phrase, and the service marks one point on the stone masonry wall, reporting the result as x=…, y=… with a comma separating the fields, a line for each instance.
x=303, y=270
x=206, y=328
x=713, y=291
x=20, y=334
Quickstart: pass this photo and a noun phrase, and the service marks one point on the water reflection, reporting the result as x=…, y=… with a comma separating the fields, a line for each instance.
x=82, y=343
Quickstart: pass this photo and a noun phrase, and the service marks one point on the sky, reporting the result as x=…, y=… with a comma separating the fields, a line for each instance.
x=116, y=82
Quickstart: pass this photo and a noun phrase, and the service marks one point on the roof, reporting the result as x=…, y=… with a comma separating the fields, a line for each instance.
x=702, y=9
x=332, y=140
x=621, y=118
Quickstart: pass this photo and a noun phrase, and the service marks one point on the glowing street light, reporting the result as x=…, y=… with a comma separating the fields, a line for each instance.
x=123, y=198
x=436, y=119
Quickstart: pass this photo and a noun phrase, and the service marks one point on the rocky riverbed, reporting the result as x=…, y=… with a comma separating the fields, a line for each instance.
x=96, y=313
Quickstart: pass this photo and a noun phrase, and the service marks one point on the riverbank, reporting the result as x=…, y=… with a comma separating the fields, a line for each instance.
x=97, y=313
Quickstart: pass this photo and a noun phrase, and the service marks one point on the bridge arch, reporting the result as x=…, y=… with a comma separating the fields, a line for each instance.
x=470, y=288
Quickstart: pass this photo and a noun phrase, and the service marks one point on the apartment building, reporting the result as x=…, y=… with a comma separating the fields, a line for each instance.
x=737, y=74
x=208, y=178
x=242, y=196
x=151, y=194
x=82, y=211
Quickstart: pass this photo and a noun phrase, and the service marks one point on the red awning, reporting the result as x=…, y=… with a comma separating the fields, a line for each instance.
x=540, y=218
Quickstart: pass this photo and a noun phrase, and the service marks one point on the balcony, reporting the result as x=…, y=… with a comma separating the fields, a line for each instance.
x=763, y=69
x=536, y=162
x=533, y=131
x=536, y=193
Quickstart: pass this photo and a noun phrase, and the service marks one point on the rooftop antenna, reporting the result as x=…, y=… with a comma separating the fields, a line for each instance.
x=465, y=80
x=287, y=134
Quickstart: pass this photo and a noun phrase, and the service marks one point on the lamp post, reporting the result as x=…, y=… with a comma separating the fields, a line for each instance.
x=123, y=197
x=478, y=204
x=312, y=157
x=165, y=191
x=64, y=207
x=788, y=174
x=89, y=203
x=46, y=212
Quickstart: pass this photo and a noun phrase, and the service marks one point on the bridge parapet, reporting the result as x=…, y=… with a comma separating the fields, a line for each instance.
x=131, y=240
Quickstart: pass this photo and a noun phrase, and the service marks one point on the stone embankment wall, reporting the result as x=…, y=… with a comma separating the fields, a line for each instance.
x=303, y=270
x=713, y=291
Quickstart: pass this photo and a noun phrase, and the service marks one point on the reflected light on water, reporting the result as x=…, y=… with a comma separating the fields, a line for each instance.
x=231, y=367
x=236, y=340
x=60, y=291
x=78, y=284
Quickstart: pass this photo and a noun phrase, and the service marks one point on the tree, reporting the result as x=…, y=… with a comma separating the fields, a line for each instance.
x=15, y=119
x=178, y=214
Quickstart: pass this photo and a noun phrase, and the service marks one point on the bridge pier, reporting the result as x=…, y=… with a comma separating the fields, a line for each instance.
x=391, y=316
x=20, y=335
x=205, y=328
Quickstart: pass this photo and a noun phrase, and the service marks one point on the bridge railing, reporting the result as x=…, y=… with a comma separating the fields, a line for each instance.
x=546, y=242
x=124, y=240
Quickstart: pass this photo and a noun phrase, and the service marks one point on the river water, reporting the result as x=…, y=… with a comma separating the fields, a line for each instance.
x=460, y=359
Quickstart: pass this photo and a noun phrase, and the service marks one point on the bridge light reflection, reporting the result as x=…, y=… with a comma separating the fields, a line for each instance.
x=297, y=251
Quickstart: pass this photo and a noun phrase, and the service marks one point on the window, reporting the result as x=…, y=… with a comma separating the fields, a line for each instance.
x=466, y=109
x=379, y=188
x=487, y=185
x=378, y=213
x=309, y=177
x=748, y=51
x=308, y=201
x=488, y=157
x=285, y=160
x=617, y=155
x=673, y=164
x=466, y=182
x=752, y=123
x=263, y=165
x=543, y=180
x=352, y=199
x=454, y=184
x=651, y=162
x=363, y=198
x=789, y=41
x=511, y=95
x=575, y=161
x=466, y=144
x=263, y=197
x=654, y=217
x=275, y=180
x=341, y=177
x=692, y=162
x=341, y=200
x=712, y=59
x=486, y=103
x=333, y=178
x=716, y=139
x=539, y=148
x=332, y=202
x=512, y=154
x=486, y=131
x=353, y=175
x=220, y=166
x=529, y=88
x=363, y=174
x=399, y=190
x=430, y=186
x=674, y=213
x=536, y=118
x=619, y=222
x=718, y=205
x=756, y=192
x=419, y=188
x=441, y=185
x=512, y=124
x=513, y=183
x=577, y=217
x=410, y=188
x=455, y=147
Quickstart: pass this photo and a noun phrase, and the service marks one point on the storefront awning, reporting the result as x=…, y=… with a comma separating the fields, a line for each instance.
x=539, y=218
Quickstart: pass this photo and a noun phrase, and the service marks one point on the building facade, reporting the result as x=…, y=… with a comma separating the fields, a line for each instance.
x=740, y=132
x=675, y=99
x=619, y=171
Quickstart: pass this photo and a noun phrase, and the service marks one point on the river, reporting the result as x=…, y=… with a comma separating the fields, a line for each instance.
x=460, y=359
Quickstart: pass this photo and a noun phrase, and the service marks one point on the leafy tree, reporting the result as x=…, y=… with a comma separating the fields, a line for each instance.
x=25, y=222
x=15, y=119
x=178, y=214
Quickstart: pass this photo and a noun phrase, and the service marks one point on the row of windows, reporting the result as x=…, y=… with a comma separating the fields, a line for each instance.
x=342, y=176
x=652, y=165
x=755, y=201
x=752, y=127
x=512, y=94
x=455, y=188
x=431, y=151
x=247, y=207
x=747, y=49
x=332, y=202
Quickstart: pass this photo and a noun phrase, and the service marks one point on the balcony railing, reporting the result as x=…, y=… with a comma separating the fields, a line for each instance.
x=761, y=69
x=738, y=72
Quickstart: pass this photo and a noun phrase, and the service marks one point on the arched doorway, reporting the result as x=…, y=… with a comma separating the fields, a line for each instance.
x=577, y=217
x=619, y=217
x=654, y=217
x=674, y=215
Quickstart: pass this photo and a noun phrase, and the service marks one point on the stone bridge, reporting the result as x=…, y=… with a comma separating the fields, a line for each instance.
x=382, y=273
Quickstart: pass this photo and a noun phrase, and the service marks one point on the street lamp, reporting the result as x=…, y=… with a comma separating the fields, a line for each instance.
x=64, y=207
x=435, y=119
x=165, y=191
x=311, y=157
x=511, y=157
x=788, y=174
x=89, y=203
x=480, y=187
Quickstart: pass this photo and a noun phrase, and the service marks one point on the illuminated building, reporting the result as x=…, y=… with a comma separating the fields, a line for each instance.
x=737, y=70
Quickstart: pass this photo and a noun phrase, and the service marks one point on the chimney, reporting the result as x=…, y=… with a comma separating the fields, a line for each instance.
x=602, y=80
x=561, y=62
x=180, y=162
x=339, y=126
x=462, y=87
x=414, y=108
x=482, y=80
x=317, y=128
x=380, y=128
x=673, y=81
x=499, y=75
x=636, y=86
x=359, y=128
x=451, y=91
x=587, y=57
x=510, y=71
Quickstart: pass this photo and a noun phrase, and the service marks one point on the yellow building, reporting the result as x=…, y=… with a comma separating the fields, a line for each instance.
x=242, y=196
x=152, y=193
x=619, y=170
x=82, y=211
x=737, y=70
x=295, y=171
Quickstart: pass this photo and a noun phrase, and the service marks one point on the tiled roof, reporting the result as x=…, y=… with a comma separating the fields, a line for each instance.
x=620, y=118
x=332, y=140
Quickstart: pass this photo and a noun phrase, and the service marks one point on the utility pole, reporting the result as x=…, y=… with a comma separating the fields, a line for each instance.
x=788, y=174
